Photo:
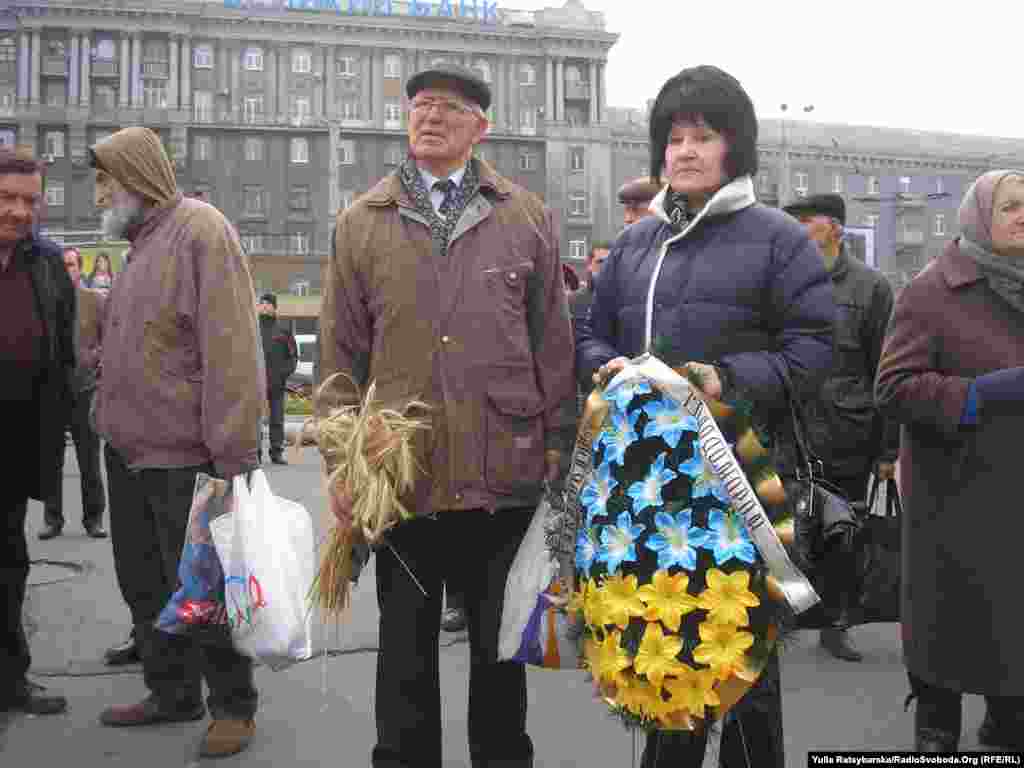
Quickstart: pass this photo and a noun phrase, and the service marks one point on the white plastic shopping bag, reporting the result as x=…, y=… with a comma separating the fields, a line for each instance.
x=268, y=553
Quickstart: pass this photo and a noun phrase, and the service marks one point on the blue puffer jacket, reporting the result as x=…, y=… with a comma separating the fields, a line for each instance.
x=744, y=289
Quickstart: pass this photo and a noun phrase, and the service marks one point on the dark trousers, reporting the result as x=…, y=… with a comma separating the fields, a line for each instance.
x=87, y=451
x=752, y=732
x=839, y=571
x=148, y=519
x=275, y=398
x=939, y=708
x=14, y=564
x=472, y=551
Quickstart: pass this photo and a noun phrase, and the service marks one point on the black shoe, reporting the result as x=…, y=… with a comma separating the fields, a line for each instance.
x=837, y=642
x=50, y=532
x=27, y=697
x=125, y=653
x=278, y=458
x=934, y=740
x=95, y=531
x=992, y=735
x=453, y=620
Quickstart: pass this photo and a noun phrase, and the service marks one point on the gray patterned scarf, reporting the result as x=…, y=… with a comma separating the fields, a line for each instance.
x=1004, y=275
x=441, y=228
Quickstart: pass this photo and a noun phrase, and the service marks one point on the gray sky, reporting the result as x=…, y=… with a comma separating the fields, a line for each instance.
x=956, y=67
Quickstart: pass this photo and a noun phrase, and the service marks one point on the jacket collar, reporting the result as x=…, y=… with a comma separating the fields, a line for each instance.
x=734, y=196
x=390, y=191
x=842, y=264
x=151, y=217
x=958, y=269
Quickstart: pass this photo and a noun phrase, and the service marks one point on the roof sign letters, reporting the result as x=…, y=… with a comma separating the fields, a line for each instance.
x=484, y=11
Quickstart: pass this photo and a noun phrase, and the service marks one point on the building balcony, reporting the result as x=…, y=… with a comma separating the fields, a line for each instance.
x=56, y=66
x=103, y=68
x=8, y=69
x=156, y=69
x=910, y=238
x=578, y=91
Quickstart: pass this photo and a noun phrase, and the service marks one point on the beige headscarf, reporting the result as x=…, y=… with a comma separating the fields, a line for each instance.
x=1004, y=275
x=136, y=158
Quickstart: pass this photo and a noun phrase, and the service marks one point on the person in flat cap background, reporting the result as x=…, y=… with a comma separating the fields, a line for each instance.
x=281, y=357
x=444, y=284
x=635, y=197
x=844, y=429
x=181, y=391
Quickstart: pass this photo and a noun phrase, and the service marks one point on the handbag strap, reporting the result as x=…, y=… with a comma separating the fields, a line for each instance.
x=807, y=462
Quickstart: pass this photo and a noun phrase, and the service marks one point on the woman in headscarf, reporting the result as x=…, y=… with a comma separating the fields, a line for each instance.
x=952, y=372
x=732, y=289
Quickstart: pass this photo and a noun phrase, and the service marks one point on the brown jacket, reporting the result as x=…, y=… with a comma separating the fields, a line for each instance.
x=482, y=335
x=182, y=379
x=87, y=340
x=962, y=529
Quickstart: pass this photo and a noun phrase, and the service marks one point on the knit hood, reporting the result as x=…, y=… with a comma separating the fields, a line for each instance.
x=136, y=158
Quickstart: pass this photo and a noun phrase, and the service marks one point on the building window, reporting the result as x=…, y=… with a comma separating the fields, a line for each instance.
x=154, y=94
x=527, y=161
x=347, y=152
x=939, y=187
x=578, y=250
x=871, y=220
x=837, y=183
x=105, y=50
x=253, y=200
x=347, y=198
x=300, y=287
x=527, y=75
x=350, y=110
x=6, y=138
x=202, y=57
x=300, y=150
x=300, y=245
x=394, y=154
x=302, y=62
x=572, y=74
x=252, y=243
x=55, y=49
x=905, y=185
x=577, y=204
x=252, y=109
x=872, y=185
x=764, y=183
x=8, y=50
x=202, y=106
x=392, y=115
x=800, y=184
x=483, y=70
x=299, y=198
x=55, y=193
x=254, y=59
x=300, y=110
x=346, y=66
x=528, y=120
x=392, y=65
x=104, y=97
x=54, y=143
x=6, y=98
x=254, y=149
x=940, y=224
x=203, y=148
x=54, y=94
x=576, y=158
x=438, y=63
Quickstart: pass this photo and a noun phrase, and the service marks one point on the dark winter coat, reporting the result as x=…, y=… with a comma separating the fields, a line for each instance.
x=280, y=353
x=56, y=304
x=962, y=527
x=844, y=429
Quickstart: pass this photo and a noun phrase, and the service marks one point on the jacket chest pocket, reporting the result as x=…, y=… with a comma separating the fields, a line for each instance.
x=514, y=460
x=507, y=285
x=169, y=347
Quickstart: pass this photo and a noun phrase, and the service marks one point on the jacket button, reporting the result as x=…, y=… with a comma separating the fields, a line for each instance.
x=445, y=339
x=458, y=497
x=513, y=276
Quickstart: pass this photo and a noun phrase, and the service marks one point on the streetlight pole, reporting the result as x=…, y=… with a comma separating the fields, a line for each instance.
x=785, y=176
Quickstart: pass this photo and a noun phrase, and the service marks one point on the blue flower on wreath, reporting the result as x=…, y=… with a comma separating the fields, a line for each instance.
x=668, y=422
x=704, y=482
x=729, y=537
x=618, y=542
x=618, y=434
x=597, y=492
x=677, y=539
x=622, y=394
x=647, y=492
x=586, y=550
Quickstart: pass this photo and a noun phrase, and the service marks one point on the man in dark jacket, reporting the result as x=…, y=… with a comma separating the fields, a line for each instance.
x=843, y=427
x=37, y=360
x=635, y=197
x=281, y=357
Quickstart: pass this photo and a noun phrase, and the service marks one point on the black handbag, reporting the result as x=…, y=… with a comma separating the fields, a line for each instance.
x=878, y=558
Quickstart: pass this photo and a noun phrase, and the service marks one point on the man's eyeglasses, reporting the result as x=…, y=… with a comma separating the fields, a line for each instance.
x=445, y=106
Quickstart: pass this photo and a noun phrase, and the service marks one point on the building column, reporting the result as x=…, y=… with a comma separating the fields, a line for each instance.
x=24, y=57
x=549, y=90
x=125, y=71
x=185, y=86
x=593, y=93
x=498, y=93
x=560, y=89
x=85, y=81
x=73, y=72
x=283, y=107
x=377, y=80
x=330, y=77
x=234, y=61
x=317, y=107
x=137, y=70
x=172, y=71
x=271, y=80
x=602, y=104
x=367, y=110
x=37, y=62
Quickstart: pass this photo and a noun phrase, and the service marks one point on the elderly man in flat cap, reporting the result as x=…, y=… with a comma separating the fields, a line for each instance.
x=844, y=429
x=444, y=285
x=635, y=197
x=182, y=391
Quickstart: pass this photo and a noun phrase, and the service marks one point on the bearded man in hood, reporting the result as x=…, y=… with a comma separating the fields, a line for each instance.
x=182, y=391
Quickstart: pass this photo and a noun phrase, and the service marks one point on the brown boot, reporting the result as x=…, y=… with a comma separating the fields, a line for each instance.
x=227, y=737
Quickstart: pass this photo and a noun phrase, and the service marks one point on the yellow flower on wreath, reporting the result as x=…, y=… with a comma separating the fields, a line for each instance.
x=657, y=654
x=692, y=690
x=638, y=696
x=607, y=658
x=721, y=645
x=619, y=600
x=593, y=605
x=727, y=597
x=667, y=599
